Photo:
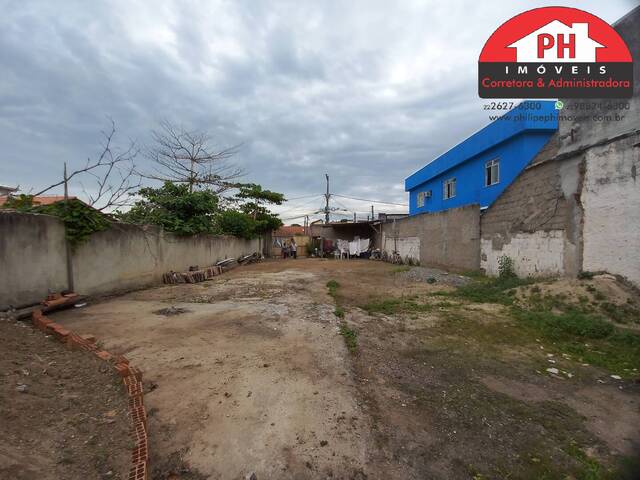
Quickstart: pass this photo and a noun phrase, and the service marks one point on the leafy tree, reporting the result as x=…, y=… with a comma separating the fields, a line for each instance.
x=179, y=209
x=176, y=209
x=254, y=199
x=233, y=222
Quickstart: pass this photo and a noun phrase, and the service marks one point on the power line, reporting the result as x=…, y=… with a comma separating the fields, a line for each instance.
x=304, y=204
x=370, y=201
x=304, y=196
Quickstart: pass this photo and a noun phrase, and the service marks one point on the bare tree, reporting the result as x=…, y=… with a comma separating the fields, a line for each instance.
x=114, y=173
x=183, y=156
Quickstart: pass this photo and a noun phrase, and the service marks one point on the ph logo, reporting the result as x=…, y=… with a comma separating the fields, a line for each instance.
x=554, y=52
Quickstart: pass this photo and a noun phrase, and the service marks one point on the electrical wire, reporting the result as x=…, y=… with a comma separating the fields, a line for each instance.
x=367, y=200
x=304, y=196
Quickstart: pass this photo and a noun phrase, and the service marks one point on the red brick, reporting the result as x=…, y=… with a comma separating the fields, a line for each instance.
x=122, y=359
x=104, y=355
x=136, y=372
x=42, y=323
x=123, y=369
x=51, y=327
x=138, y=414
x=134, y=388
x=140, y=454
x=135, y=402
x=138, y=471
x=60, y=332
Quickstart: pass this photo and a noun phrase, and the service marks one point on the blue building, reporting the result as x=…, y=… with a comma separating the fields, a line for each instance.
x=482, y=166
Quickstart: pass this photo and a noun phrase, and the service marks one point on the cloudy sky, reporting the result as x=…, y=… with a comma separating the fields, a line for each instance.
x=366, y=91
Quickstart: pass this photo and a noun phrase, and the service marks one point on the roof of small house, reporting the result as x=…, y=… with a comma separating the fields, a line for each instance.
x=289, y=231
x=42, y=200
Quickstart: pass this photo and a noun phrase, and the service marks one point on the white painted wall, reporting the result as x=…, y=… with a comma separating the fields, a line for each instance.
x=611, y=200
x=406, y=246
x=536, y=254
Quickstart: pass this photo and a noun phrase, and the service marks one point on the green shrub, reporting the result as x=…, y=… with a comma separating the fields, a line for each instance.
x=506, y=267
x=350, y=337
x=490, y=290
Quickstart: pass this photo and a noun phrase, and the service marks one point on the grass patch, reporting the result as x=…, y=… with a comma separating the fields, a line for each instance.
x=589, y=337
x=350, y=337
x=391, y=306
x=339, y=312
x=624, y=313
x=489, y=290
x=403, y=268
x=333, y=286
x=576, y=328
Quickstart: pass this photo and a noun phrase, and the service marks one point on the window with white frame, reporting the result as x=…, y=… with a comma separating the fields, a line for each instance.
x=420, y=199
x=491, y=172
x=449, y=188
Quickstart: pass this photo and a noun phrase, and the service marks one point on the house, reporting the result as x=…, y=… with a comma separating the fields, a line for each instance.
x=285, y=234
x=6, y=191
x=477, y=170
x=557, y=42
x=42, y=199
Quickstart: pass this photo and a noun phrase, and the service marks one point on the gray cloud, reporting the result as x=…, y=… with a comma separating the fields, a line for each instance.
x=367, y=91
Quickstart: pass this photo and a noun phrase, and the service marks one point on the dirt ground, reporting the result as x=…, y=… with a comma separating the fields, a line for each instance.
x=63, y=414
x=249, y=373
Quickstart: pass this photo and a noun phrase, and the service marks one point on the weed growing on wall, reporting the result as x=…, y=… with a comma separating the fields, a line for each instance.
x=506, y=267
x=80, y=220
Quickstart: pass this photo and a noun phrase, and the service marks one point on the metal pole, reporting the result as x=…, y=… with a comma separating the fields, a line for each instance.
x=67, y=245
x=327, y=196
x=371, y=212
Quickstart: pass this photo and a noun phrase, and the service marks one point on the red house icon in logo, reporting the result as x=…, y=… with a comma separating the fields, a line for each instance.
x=555, y=52
x=557, y=42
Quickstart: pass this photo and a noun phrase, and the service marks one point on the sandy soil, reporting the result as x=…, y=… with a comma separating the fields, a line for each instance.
x=253, y=376
x=63, y=414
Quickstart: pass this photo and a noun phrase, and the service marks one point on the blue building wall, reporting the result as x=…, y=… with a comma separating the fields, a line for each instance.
x=513, y=140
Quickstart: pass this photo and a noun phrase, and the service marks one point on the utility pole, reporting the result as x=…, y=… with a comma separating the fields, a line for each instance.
x=372, y=213
x=67, y=245
x=354, y=217
x=327, y=197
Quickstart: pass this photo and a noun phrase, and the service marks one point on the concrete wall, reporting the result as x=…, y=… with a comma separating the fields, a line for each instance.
x=125, y=257
x=449, y=239
x=611, y=201
x=32, y=257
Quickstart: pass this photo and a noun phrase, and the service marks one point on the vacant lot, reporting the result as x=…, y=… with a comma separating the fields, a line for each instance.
x=359, y=369
x=63, y=414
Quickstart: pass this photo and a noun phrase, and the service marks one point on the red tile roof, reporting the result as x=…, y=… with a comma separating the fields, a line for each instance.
x=289, y=231
x=42, y=200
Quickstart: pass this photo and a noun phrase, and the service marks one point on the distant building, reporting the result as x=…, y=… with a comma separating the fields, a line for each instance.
x=42, y=199
x=5, y=191
x=477, y=170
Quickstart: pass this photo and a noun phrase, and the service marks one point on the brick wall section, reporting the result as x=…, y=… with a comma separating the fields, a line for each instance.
x=131, y=378
x=533, y=201
x=540, y=213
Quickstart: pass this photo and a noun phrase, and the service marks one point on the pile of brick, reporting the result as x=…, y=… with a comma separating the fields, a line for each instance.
x=131, y=377
x=192, y=276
